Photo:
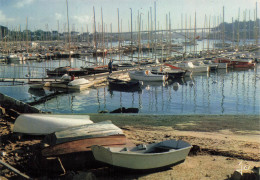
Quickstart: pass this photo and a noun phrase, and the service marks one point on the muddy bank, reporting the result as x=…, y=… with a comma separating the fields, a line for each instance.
x=225, y=143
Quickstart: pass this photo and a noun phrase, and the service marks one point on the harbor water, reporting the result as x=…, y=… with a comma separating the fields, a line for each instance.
x=221, y=92
x=229, y=91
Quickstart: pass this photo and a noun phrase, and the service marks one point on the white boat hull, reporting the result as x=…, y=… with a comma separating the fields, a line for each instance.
x=42, y=124
x=143, y=159
x=77, y=84
x=36, y=85
x=146, y=76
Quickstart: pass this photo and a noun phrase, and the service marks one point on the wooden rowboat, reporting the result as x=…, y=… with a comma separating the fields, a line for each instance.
x=84, y=145
x=144, y=157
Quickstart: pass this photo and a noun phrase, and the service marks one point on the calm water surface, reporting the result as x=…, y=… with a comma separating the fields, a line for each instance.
x=220, y=92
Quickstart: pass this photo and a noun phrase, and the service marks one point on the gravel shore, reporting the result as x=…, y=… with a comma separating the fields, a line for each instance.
x=223, y=144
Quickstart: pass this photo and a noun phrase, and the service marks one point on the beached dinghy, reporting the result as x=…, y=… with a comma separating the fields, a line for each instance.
x=105, y=128
x=144, y=157
x=42, y=124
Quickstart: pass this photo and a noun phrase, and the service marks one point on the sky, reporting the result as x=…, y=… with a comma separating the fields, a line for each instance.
x=50, y=15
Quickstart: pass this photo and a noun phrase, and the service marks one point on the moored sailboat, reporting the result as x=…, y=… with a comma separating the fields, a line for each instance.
x=146, y=75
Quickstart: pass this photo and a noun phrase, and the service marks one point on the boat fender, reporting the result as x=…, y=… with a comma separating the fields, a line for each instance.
x=146, y=72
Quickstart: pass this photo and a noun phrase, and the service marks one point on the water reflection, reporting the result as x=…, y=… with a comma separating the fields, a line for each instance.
x=220, y=92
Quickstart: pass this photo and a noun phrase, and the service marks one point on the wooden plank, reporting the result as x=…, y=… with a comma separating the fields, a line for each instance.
x=14, y=170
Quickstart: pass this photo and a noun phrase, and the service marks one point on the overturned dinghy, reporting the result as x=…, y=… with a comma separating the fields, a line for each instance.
x=42, y=124
x=86, y=131
x=144, y=157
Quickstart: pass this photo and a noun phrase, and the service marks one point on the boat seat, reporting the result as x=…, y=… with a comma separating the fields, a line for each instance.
x=163, y=149
x=124, y=149
x=142, y=147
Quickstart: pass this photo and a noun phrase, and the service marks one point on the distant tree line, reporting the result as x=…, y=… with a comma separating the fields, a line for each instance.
x=237, y=29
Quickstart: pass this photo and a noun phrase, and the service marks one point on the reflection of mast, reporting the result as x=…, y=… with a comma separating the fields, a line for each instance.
x=223, y=38
x=140, y=102
x=223, y=96
x=121, y=105
x=98, y=99
x=255, y=87
x=105, y=99
x=195, y=36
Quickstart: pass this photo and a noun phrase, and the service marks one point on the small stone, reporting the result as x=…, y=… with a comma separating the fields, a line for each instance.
x=3, y=153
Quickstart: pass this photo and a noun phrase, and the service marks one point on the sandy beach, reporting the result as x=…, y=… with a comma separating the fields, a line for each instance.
x=223, y=144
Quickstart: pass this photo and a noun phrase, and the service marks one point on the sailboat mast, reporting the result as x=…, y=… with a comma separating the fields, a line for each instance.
x=195, y=36
x=131, y=34
x=27, y=35
x=118, y=33
x=155, y=29
x=68, y=30
x=257, y=28
x=95, y=38
x=103, y=46
x=238, y=28
x=223, y=40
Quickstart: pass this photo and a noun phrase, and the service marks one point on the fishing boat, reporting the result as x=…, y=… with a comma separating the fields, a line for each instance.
x=241, y=63
x=36, y=85
x=125, y=65
x=144, y=157
x=146, y=75
x=67, y=82
x=189, y=65
x=236, y=62
x=170, y=70
x=2, y=58
x=66, y=70
x=105, y=128
x=222, y=62
x=13, y=58
x=212, y=66
x=96, y=69
x=42, y=124
x=79, y=84
x=123, y=84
